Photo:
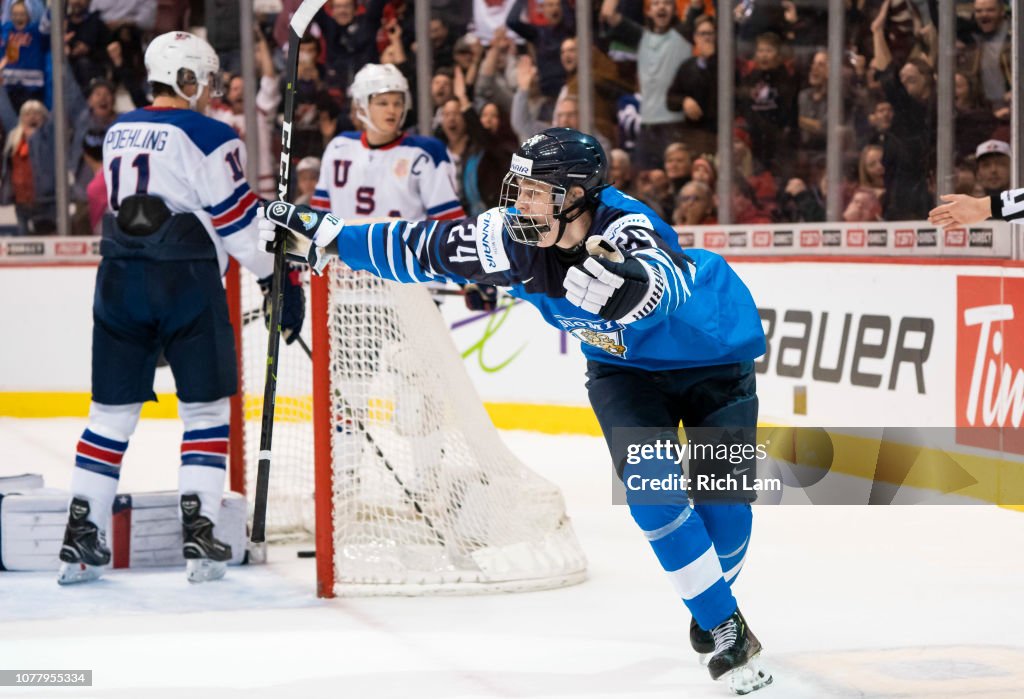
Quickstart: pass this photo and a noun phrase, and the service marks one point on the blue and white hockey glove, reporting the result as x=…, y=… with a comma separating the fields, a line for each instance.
x=612, y=285
x=480, y=297
x=293, y=312
x=304, y=224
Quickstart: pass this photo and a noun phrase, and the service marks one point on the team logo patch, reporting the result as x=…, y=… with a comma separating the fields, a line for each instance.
x=402, y=168
x=308, y=220
x=604, y=341
x=605, y=335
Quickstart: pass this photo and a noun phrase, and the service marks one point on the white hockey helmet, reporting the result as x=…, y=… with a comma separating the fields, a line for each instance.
x=377, y=79
x=178, y=59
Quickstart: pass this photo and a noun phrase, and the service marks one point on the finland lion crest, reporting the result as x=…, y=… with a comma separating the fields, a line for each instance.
x=604, y=335
x=308, y=220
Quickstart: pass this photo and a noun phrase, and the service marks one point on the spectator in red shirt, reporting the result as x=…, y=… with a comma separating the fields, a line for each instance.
x=746, y=208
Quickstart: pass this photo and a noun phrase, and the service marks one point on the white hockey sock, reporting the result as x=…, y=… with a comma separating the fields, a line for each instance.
x=204, y=452
x=98, y=457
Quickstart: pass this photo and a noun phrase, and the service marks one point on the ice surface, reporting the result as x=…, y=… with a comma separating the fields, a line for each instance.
x=848, y=601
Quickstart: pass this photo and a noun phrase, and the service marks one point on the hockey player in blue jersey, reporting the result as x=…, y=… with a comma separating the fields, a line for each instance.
x=179, y=204
x=669, y=337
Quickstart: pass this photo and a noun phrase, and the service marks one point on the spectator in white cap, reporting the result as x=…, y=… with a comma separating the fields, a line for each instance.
x=999, y=201
x=993, y=158
x=307, y=172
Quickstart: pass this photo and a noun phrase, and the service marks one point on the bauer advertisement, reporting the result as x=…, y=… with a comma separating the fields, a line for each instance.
x=851, y=343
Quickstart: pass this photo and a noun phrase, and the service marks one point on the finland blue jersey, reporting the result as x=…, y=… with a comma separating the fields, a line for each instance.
x=705, y=316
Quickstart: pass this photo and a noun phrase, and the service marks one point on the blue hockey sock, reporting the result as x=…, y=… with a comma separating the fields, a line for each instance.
x=681, y=542
x=728, y=525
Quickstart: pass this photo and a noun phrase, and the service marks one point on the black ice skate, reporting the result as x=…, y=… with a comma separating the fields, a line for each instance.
x=736, y=648
x=702, y=641
x=84, y=552
x=205, y=557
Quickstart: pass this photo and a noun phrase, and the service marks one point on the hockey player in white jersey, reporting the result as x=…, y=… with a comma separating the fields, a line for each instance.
x=179, y=205
x=381, y=171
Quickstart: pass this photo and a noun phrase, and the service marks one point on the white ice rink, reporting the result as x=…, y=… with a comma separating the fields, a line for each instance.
x=848, y=602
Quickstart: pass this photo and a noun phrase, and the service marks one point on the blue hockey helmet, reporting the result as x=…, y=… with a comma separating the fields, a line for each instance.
x=543, y=171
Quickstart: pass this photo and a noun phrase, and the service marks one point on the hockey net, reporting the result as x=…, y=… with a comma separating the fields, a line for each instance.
x=388, y=455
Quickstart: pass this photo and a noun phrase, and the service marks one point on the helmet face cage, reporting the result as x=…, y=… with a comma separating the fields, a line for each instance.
x=214, y=84
x=543, y=200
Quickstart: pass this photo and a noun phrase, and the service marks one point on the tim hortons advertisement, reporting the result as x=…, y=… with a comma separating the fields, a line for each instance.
x=990, y=362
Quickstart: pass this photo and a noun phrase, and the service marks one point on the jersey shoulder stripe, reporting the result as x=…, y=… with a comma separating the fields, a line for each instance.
x=206, y=133
x=433, y=147
x=450, y=209
x=321, y=199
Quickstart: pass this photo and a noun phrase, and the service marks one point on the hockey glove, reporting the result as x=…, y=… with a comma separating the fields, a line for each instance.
x=480, y=297
x=293, y=312
x=612, y=285
x=304, y=224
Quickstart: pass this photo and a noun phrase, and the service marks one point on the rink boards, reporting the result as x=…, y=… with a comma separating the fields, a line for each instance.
x=893, y=325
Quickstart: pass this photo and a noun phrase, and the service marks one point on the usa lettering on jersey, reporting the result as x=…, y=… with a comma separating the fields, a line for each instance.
x=412, y=178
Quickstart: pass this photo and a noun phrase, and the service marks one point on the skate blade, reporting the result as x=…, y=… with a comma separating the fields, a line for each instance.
x=199, y=570
x=747, y=678
x=71, y=573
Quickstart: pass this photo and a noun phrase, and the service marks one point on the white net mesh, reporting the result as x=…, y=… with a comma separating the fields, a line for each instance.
x=427, y=498
x=291, y=508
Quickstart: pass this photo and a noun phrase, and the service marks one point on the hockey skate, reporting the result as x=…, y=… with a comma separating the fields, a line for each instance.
x=735, y=657
x=702, y=642
x=205, y=557
x=84, y=553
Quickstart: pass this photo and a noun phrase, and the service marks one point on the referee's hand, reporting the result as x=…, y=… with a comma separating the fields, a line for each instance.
x=960, y=210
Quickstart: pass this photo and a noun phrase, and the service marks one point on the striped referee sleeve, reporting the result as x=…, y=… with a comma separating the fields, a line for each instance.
x=1008, y=205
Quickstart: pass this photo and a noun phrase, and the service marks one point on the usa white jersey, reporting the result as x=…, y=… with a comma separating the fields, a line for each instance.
x=411, y=178
x=196, y=165
x=268, y=98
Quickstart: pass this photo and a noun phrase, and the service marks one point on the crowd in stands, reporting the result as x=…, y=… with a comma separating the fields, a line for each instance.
x=504, y=69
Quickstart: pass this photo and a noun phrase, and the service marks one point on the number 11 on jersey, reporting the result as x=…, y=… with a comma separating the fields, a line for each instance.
x=141, y=164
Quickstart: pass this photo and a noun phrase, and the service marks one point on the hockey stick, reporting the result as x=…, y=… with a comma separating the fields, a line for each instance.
x=300, y=22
